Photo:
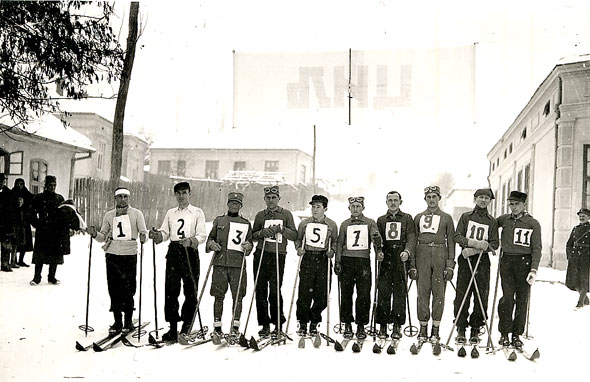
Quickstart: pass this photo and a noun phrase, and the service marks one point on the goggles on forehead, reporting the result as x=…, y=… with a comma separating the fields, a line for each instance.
x=271, y=190
x=432, y=189
x=360, y=199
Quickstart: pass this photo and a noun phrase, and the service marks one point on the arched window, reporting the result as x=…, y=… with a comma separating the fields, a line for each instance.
x=38, y=174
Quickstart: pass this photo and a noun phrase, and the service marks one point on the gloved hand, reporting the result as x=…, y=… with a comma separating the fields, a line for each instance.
x=467, y=252
x=337, y=268
x=380, y=256
x=142, y=238
x=277, y=228
x=267, y=233
x=404, y=256
x=72, y=232
x=413, y=274
x=91, y=230
x=186, y=242
x=156, y=236
x=531, y=277
x=300, y=251
x=448, y=274
x=330, y=253
x=213, y=246
x=247, y=247
x=377, y=241
x=478, y=244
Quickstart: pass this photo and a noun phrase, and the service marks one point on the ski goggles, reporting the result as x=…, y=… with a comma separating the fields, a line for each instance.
x=430, y=189
x=271, y=190
x=359, y=199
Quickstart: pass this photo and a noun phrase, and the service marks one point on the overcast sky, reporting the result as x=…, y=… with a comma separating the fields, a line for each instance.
x=182, y=72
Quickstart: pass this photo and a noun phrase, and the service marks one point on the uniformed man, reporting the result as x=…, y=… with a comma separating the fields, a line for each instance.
x=577, y=249
x=231, y=240
x=521, y=254
x=185, y=227
x=477, y=234
x=120, y=229
x=434, y=261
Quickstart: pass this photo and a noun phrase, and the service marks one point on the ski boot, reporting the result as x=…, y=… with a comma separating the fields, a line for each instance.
x=360, y=332
x=302, y=331
x=474, y=336
x=128, y=326
x=265, y=331
x=423, y=334
x=586, y=299
x=434, y=337
x=397, y=332
x=580, y=302
x=461, y=339
x=172, y=334
x=117, y=326
x=54, y=281
x=504, y=341
x=383, y=331
x=347, y=330
x=516, y=342
x=313, y=328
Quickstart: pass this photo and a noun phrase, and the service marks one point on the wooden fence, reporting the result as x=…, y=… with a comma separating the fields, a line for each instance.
x=155, y=196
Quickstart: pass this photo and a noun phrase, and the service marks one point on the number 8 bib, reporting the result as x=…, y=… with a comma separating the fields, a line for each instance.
x=121, y=228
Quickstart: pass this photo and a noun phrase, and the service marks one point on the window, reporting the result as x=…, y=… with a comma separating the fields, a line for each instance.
x=181, y=168
x=519, y=181
x=100, y=156
x=498, y=162
x=495, y=208
x=527, y=180
x=503, y=199
x=505, y=153
x=38, y=174
x=547, y=108
x=212, y=169
x=510, y=149
x=164, y=167
x=4, y=162
x=239, y=166
x=303, y=171
x=271, y=166
x=586, y=180
x=523, y=134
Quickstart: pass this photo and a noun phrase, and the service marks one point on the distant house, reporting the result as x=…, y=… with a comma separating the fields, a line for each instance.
x=460, y=198
x=233, y=158
x=100, y=132
x=42, y=148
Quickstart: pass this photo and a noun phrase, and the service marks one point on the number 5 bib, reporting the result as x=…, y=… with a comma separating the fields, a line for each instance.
x=121, y=228
x=357, y=237
x=237, y=235
x=315, y=235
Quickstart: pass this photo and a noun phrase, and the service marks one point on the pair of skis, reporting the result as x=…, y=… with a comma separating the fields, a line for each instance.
x=316, y=340
x=436, y=346
x=511, y=353
x=111, y=340
x=109, y=337
x=382, y=342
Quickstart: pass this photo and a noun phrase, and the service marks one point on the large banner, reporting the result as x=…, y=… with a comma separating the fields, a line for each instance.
x=360, y=88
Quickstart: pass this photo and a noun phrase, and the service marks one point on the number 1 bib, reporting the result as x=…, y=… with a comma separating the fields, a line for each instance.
x=316, y=234
x=236, y=236
x=121, y=228
x=357, y=237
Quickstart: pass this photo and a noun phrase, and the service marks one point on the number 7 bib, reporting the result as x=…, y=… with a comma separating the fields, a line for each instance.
x=357, y=237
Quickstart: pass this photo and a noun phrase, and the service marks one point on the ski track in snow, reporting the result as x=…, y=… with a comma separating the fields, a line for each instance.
x=40, y=328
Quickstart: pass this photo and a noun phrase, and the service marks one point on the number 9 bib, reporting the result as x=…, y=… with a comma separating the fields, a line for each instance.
x=315, y=235
x=121, y=228
x=357, y=237
x=236, y=236
x=429, y=223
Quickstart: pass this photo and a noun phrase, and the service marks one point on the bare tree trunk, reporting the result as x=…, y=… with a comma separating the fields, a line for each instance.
x=117, y=152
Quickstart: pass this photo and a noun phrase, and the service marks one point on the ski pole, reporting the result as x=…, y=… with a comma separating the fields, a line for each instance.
x=329, y=284
x=373, y=321
x=243, y=341
x=278, y=290
x=494, y=303
x=155, y=288
x=411, y=328
x=464, y=298
x=233, y=317
x=528, y=310
x=339, y=308
x=190, y=328
x=85, y=327
x=483, y=312
x=140, y=283
x=294, y=288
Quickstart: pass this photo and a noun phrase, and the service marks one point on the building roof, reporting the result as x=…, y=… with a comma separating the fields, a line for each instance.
x=50, y=128
x=250, y=140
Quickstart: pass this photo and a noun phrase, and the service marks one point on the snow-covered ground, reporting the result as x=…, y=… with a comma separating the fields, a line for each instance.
x=39, y=328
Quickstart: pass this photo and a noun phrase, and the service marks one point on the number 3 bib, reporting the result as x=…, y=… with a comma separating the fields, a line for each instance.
x=237, y=235
x=357, y=237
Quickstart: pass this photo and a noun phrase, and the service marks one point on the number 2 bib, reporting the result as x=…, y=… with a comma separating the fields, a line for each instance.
x=121, y=228
x=236, y=236
x=316, y=234
x=357, y=237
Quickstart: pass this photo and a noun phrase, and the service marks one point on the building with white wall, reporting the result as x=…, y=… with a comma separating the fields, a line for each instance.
x=546, y=153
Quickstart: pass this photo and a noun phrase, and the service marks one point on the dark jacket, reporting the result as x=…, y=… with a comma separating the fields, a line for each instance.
x=44, y=217
x=7, y=214
x=24, y=237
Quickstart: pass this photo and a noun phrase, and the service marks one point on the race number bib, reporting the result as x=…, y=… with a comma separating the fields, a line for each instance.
x=429, y=223
x=271, y=222
x=236, y=236
x=179, y=229
x=477, y=231
x=121, y=228
x=393, y=230
x=316, y=234
x=357, y=237
x=522, y=237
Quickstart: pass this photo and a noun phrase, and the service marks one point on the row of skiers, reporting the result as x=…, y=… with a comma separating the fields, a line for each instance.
x=54, y=219
x=421, y=248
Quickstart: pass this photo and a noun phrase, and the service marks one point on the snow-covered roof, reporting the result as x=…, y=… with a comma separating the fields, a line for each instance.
x=51, y=128
x=250, y=140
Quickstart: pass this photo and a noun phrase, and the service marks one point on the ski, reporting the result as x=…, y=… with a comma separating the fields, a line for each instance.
x=197, y=343
x=509, y=353
x=188, y=339
x=357, y=346
x=530, y=356
x=474, y=352
x=436, y=348
x=216, y=338
x=317, y=340
x=100, y=348
x=417, y=346
x=271, y=340
x=392, y=348
x=301, y=343
x=328, y=338
x=341, y=346
x=102, y=341
x=379, y=345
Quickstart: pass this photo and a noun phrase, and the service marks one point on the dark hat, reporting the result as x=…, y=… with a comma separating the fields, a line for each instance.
x=431, y=189
x=2, y=176
x=271, y=190
x=518, y=196
x=182, y=186
x=319, y=199
x=50, y=178
x=584, y=210
x=235, y=196
x=484, y=191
